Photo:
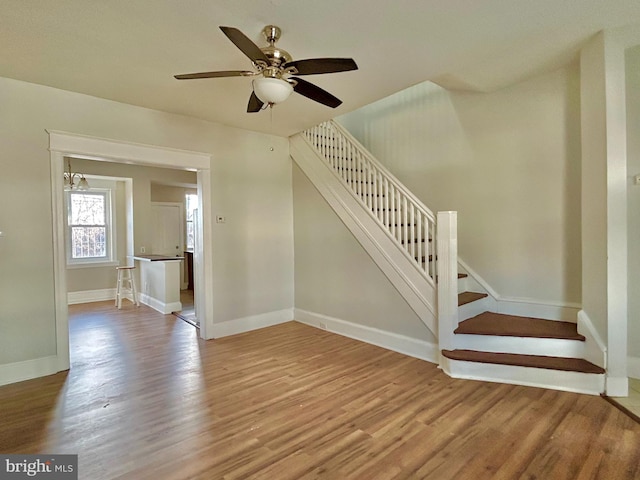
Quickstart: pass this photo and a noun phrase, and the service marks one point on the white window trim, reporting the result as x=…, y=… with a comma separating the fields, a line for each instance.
x=108, y=188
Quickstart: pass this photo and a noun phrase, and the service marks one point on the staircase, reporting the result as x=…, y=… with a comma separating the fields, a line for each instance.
x=518, y=350
x=417, y=250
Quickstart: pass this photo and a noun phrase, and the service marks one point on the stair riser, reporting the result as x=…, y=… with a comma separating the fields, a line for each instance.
x=474, y=308
x=550, y=347
x=463, y=285
x=589, y=383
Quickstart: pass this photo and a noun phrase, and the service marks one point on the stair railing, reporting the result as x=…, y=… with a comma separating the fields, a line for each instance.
x=400, y=213
x=396, y=209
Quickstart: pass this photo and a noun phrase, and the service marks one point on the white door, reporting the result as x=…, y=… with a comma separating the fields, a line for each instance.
x=167, y=229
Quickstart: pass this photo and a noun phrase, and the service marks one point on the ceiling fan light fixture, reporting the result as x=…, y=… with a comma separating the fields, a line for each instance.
x=272, y=90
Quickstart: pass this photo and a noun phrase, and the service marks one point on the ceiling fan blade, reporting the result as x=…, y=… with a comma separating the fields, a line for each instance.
x=243, y=42
x=255, y=104
x=316, y=93
x=229, y=73
x=313, y=66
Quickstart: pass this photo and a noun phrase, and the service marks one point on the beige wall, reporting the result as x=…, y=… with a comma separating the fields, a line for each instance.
x=336, y=277
x=507, y=161
x=167, y=193
x=250, y=184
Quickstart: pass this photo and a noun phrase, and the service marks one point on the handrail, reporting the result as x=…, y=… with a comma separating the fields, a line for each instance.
x=405, y=218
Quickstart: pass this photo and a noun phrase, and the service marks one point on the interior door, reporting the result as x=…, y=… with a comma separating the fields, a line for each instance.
x=167, y=229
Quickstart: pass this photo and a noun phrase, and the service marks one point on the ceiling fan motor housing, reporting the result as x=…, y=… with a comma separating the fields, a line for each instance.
x=276, y=56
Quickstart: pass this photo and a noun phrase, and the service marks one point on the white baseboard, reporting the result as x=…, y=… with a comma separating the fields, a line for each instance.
x=88, y=296
x=381, y=338
x=253, y=322
x=633, y=367
x=156, y=304
x=28, y=369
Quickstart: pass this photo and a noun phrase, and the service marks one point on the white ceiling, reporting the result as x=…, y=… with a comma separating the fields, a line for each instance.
x=129, y=50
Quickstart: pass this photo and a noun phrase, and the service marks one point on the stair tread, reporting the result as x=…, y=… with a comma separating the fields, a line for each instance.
x=534, y=361
x=468, y=297
x=489, y=323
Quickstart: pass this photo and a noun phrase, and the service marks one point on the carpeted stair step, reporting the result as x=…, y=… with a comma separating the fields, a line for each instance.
x=489, y=323
x=468, y=297
x=534, y=361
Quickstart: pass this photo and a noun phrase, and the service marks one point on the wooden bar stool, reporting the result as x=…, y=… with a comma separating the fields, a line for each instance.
x=126, y=284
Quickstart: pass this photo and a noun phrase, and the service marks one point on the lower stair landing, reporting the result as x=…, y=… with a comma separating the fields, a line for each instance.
x=523, y=351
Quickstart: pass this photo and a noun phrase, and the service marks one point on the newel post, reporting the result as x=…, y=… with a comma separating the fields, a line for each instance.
x=447, y=271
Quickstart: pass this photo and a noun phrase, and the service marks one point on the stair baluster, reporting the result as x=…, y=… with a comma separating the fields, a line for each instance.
x=398, y=211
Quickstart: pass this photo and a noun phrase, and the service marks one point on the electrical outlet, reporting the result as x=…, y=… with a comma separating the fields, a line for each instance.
x=220, y=219
x=142, y=249
x=323, y=325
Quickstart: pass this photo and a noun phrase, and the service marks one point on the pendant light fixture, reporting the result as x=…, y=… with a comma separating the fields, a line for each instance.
x=70, y=180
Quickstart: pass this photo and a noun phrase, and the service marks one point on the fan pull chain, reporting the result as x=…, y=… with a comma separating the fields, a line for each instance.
x=271, y=119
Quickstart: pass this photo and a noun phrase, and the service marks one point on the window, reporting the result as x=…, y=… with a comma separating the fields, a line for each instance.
x=191, y=206
x=89, y=227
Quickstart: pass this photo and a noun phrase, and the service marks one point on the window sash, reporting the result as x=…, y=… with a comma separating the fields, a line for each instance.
x=89, y=242
x=191, y=204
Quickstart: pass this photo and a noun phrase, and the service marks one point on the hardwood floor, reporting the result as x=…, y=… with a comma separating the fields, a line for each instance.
x=146, y=399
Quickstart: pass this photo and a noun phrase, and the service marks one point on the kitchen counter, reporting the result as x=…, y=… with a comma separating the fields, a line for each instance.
x=160, y=282
x=157, y=258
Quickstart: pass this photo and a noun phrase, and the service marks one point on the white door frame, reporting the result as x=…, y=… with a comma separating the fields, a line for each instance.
x=62, y=144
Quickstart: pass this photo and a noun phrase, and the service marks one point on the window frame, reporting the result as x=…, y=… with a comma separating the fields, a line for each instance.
x=191, y=221
x=110, y=259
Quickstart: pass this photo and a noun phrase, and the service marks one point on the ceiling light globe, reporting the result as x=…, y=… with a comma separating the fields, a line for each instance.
x=83, y=184
x=272, y=90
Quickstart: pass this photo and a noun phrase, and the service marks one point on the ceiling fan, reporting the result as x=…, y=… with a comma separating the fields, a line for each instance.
x=277, y=73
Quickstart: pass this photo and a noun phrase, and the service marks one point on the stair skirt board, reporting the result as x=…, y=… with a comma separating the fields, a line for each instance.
x=577, y=382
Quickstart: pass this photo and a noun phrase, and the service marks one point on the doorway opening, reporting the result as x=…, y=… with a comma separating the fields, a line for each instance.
x=174, y=224
x=63, y=145
x=187, y=294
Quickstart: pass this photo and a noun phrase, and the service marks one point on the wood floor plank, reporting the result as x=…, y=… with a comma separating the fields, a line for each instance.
x=147, y=399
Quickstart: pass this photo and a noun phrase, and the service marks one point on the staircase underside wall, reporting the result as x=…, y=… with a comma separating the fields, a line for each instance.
x=337, y=277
